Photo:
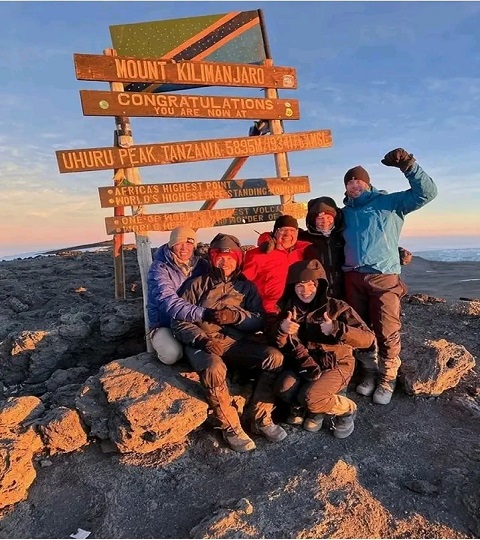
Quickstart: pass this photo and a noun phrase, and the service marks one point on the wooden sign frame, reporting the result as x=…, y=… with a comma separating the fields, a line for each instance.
x=94, y=67
x=180, y=192
x=204, y=219
x=96, y=159
x=139, y=104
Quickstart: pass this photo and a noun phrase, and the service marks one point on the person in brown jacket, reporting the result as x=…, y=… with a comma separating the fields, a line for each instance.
x=225, y=338
x=317, y=335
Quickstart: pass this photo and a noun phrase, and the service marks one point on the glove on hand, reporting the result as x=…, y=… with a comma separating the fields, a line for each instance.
x=209, y=315
x=309, y=369
x=267, y=246
x=399, y=158
x=405, y=256
x=210, y=346
x=226, y=316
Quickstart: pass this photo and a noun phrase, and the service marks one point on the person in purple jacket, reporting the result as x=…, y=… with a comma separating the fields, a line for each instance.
x=173, y=264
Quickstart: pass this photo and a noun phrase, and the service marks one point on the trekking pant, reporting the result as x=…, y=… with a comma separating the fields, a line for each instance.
x=242, y=354
x=376, y=298
x=321, y=396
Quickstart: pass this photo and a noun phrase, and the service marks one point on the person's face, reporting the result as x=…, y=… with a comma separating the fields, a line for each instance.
x=227, y=263
x=183, y=250
x=356, y=187
x=286, y=237
x=306, y=291
x=324, y=222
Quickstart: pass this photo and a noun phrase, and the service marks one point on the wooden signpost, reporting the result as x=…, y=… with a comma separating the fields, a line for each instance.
x=203, y=219
x=98, y=103
x=92, y=67
x=154, y=58
x=96, y=159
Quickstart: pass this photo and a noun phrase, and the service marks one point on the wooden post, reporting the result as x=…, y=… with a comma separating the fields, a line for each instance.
x=118, y=258
x=276, y=126
x=124, y=139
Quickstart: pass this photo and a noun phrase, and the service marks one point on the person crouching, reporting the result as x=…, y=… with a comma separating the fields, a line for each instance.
x=317, y=335
x=225, y=338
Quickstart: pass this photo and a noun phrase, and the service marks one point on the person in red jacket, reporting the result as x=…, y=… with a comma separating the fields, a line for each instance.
x=269, y=270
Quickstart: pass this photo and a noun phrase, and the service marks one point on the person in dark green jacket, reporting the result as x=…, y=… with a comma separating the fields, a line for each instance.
x=373, y=223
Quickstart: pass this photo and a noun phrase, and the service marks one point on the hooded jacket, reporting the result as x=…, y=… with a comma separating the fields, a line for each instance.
x=374, y=221
x=349, y=330
x=215, y=291
x=329, y=250
x=163, y=280
x=269, y=270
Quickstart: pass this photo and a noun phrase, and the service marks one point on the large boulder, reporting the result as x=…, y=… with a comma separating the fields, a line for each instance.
x=142, y=404
x=62, y=431
x=434, y=366
x=18, y=444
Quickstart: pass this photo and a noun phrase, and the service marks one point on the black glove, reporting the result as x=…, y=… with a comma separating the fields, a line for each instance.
x=267, y=246
x=208, y=345
x=209, y=315
x=226, y=316
x=309, y=370
x=405, y=256
x=399, y=158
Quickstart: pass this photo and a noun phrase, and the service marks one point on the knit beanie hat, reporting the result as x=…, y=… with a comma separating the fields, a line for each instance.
x=226, y=243
x=285, y=221
x=357, y=173
x=182, y=234
x=306, y=271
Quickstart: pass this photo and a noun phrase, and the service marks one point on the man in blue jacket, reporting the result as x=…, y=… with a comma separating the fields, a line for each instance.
x=373, y=223
x=172, y=265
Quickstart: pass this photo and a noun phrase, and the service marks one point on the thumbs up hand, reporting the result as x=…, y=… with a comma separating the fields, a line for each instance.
x=327, y=325
x=288, y=326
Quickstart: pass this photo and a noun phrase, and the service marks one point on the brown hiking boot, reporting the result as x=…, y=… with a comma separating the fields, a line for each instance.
x=238, y=440
x=295, y=416
x=313, y=422
x=272, y=432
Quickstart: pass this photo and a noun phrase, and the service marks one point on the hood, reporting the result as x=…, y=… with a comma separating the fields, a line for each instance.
x=322, y=204
x=225, y=243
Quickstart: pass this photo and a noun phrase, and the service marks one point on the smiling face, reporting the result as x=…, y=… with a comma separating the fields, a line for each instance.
x=227, y=263
x=306, y=290
x=183, y=250
x=356, y=187
x=285, y=237
x=324, y=221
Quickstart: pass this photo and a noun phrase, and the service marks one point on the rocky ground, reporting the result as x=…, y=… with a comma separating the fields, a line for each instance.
x=91, y=437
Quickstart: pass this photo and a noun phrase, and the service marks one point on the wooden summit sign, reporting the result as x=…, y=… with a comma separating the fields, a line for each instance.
x=137, y=195
x=96, y=159
x=92, y=67
x=99, y=103
x=142, y=223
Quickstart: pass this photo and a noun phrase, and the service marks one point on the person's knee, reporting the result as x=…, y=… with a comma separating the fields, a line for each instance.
x=169, y=351
x=215, y=374
x=274, y=361
x=287, y=387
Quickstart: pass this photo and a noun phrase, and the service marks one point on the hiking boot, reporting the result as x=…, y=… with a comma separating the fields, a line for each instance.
x=313, y=422
x=343, y=426
x=295, y=417
x=272, y=432
x=238, y=440
x=384, y=392
x=367, y=386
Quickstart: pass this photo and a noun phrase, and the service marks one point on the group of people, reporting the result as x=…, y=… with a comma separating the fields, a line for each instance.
x=296, y=312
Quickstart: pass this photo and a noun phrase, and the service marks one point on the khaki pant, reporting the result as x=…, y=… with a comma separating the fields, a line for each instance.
x=376, y=298
x=169, y=350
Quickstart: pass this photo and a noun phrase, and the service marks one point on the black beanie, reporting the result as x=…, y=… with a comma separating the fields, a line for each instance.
x=285, y=221
x=306, y=271
x=357, y=173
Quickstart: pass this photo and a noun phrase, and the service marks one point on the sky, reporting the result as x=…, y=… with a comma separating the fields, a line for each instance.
x=379, y=75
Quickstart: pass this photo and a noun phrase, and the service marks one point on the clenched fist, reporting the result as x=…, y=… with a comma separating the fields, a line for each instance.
x=399, y=158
